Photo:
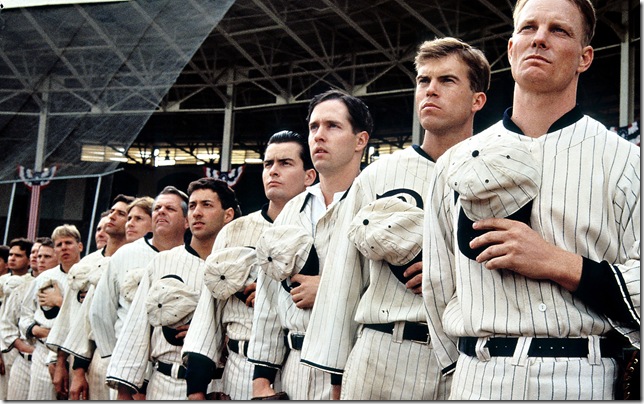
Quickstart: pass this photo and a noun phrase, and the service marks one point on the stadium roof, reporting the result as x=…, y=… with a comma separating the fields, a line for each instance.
x=136, y=75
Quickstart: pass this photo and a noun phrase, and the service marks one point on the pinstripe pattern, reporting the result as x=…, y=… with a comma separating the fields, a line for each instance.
x=276, y=311
x=588, y=204
x=574, y=379
x=354, y=290
x=108, y=308
x=303, y=382
x=19, y=378
x=40, y=385
x=31, y=312
x=390, y=375
x=96, y=372
x=9, y=332
x=232, y=316
x=70, y=308
x=137, y=343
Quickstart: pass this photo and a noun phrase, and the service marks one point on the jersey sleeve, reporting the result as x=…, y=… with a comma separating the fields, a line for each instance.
x=78, y=342
x=203, y=345
x=103, y=310
x=332, y=328
x=129, y=361
x=266, y=345
x=439, y=278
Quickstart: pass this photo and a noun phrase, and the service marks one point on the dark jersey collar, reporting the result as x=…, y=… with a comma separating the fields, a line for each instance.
x=191, y=250
x=420, y=151
x=147, y=239
x=309, y=195
x=265, y=213
x=567, y=119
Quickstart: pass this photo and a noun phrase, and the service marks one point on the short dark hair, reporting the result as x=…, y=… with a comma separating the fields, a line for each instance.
x=586, y=9
x=24, y=243
x=41, y=239
x=479, y=71
x=123, y=198
x=47, y=242
x=287, y=136
x=225, y=193
x=4, y=253
x=172, y=190
x=359, y=115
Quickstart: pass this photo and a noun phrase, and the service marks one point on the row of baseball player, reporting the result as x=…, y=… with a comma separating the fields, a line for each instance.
x=499, y=266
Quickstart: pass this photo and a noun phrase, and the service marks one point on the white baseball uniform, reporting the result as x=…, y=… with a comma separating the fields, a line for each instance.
x=276, y=317
x=139, y=342
x=41, y=386
x=17, y=371
x=588, y=204
x=70, y=308
x=214, y=318
x=7, y=356
x=355, y=291
x=108, y=307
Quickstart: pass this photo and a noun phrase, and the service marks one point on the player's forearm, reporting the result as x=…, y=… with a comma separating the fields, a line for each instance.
x=22, y=346
x=566, y=269
x=262, y=387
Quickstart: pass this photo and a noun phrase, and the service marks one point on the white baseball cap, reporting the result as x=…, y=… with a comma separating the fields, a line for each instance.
x=229, y=270
x=170, y=302
x=130, y=283
x=286, y=250
x=78, y=276
x=388, y=229
x=494, y=175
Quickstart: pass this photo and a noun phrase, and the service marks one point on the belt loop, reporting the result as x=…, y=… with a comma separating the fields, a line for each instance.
x=289, y=341
x=399, y=330
x=594, y=351
x=482, y=353
x=520, y=357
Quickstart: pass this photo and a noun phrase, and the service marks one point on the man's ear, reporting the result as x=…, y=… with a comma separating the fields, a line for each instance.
x=362, y=140
x=309, y=176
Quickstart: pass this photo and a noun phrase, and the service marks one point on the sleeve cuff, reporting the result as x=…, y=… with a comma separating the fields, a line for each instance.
x=80, y=363
x=199, y=371
x=265, y=372
x=602, y=288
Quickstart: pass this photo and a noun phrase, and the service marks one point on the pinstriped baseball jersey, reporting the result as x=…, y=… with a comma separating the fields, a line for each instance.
x=588, y=204
x=70, y=308
x=274, y=306
x=31, y=312
x=9, y=333
x=213, y=318
x=108, y=308
x=138, y=343
x=355, y=290
x=9, y=330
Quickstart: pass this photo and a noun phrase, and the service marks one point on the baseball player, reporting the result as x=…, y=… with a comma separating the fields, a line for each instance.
x=339, y=127
x=41, y=305
x=73, y=298
x=212, y=204
x=100, y=236
x=18, y=266
x=9, y=323
x=288, y=170
x=526, y=310
x=368, y=325
x=88, y=368
x=108, y=305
